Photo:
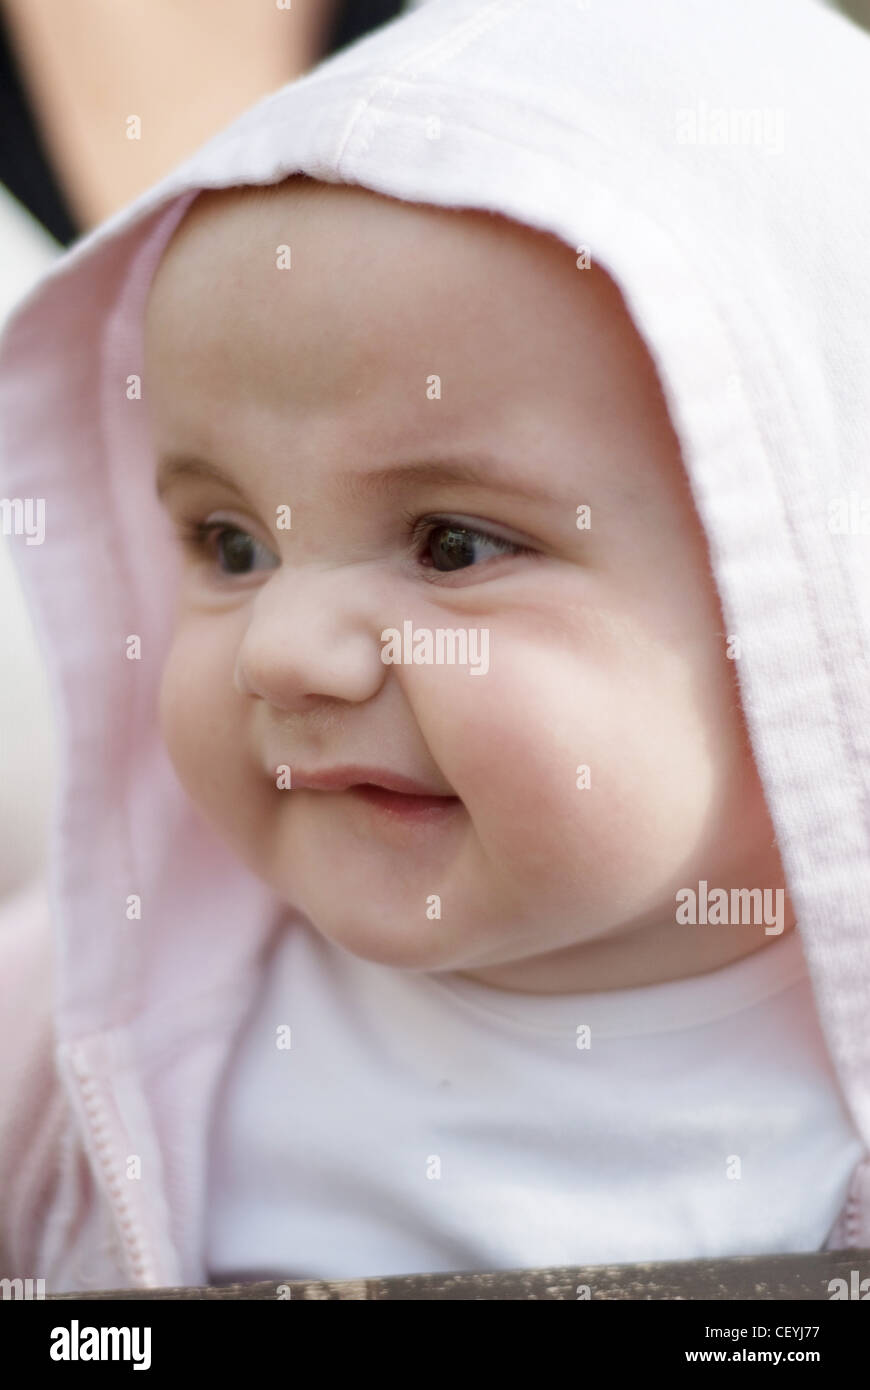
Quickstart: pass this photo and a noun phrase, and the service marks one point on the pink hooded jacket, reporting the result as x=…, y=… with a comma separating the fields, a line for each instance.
x=714, y=161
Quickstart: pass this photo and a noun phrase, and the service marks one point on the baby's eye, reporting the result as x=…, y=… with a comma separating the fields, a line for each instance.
x=448, y=545
x=235, y=546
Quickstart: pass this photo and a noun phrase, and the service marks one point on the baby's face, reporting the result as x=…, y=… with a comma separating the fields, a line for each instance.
x=428, y=397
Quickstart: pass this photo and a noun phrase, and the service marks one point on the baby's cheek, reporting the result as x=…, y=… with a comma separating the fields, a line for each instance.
x=185, y=735
x=518, y=756
x=197, y=723
x=563, y=785
x=173, y=711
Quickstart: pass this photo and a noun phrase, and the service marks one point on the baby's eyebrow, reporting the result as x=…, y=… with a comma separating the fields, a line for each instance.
x=479, y=470
x=172, y=467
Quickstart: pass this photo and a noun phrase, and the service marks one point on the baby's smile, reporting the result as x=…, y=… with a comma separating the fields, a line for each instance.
x=388, y=793
x=436, y=685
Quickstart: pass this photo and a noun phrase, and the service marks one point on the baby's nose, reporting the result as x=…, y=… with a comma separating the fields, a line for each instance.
x=311, y=636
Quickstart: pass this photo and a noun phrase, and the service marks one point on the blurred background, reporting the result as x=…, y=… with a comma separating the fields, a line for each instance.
x=70, y=75
x=859, y=10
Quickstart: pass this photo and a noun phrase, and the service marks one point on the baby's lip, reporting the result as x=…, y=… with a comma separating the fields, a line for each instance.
x=340, y=779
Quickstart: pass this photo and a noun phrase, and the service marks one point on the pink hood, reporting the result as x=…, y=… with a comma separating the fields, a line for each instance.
x=724, y=184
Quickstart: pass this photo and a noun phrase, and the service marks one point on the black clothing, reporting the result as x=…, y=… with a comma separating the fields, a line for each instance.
x=25, y=167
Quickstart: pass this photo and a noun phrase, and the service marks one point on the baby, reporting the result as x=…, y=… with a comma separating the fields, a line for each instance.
x=460, y=860
x=465, y=432
x=434, y=420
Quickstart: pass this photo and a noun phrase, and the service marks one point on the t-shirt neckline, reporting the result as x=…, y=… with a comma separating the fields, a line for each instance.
x=659, y=1008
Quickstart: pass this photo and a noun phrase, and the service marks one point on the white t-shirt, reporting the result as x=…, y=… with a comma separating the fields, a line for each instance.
x=425, y=1123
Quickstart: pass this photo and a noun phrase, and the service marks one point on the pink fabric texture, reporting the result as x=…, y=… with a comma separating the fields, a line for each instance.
x=744, y=266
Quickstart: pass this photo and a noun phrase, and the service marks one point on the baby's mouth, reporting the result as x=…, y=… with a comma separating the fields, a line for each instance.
x=415, y=806
x=389, y=792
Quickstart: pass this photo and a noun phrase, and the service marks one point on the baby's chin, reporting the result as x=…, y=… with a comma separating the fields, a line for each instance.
x=387, y=935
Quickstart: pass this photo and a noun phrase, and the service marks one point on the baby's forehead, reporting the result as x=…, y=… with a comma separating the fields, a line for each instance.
x=353, y=235
x=329, y=264
x=348, y=314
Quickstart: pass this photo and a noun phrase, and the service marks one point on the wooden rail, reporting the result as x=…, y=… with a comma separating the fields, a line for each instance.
x=755, y=1277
